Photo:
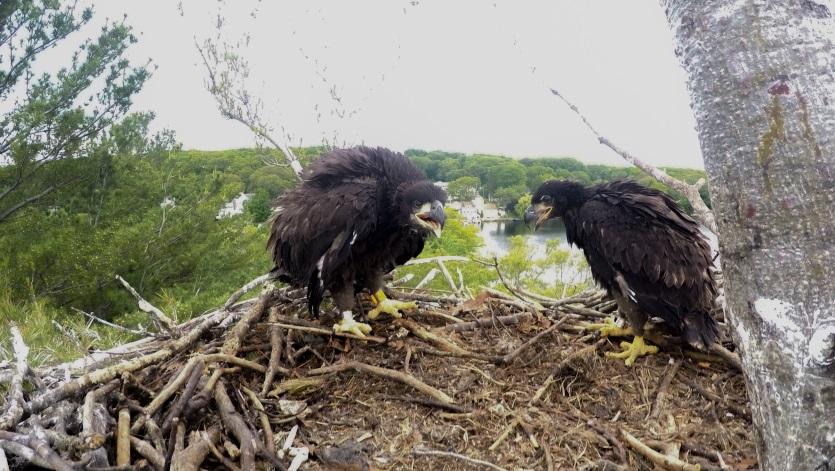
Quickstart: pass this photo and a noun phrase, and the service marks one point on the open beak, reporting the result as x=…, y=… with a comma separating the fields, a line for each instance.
x=432, y=217
x=537, y=214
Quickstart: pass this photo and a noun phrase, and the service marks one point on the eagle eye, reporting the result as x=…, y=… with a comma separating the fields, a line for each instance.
x=416, y=204
x=547, y=198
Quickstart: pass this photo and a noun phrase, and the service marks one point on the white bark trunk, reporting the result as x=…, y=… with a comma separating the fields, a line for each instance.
x=762, y=81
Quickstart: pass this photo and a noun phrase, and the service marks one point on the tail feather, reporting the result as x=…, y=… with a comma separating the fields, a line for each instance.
x=699, y=330
x=315, y=294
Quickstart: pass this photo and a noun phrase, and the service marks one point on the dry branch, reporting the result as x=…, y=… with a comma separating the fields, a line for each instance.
x=406, y=379
x=507, y=359
x=498, y=321
x=199, y=447
x=236, y=424
x=14, y=400
x=123, y=438
x=157, y=315
x=244, y=326
x=276, y=344
x=457, y=456
x=147, y=451
x=666, y=462
x=662, y=389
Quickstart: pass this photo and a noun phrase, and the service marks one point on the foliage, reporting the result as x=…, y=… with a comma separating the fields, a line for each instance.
x=521, y=205
x=464, y=188
x=258, y=207
x=62, y=114
x=180, y=257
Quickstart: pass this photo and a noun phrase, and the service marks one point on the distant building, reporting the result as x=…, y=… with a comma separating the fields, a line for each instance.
x=470, y=213
x=234, y=207
x=490, y=212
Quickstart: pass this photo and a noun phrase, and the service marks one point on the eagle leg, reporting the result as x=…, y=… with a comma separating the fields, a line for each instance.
x=349, y=326
x=389, y=306
x=631, y=351
x=610, y=329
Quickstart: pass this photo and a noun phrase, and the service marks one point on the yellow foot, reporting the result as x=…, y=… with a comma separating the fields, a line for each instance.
x=609, y=329
x=631, y=351
x=349, y=326
x=392, y=308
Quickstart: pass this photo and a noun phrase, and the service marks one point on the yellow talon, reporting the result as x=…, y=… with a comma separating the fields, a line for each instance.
x=631, y=351
x=389, y=306
x=349, y=326
x=609, y=329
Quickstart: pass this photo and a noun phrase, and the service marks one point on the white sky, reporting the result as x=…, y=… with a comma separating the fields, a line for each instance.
x=468, y=76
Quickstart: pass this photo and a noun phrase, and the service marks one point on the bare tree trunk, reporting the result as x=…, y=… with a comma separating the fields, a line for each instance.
x=763, y=92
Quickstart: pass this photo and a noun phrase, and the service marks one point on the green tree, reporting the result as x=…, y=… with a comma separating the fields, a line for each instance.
x=521, y=205
x=258, y=207
x=507, y=197
x=61, y=114
x=464, y=188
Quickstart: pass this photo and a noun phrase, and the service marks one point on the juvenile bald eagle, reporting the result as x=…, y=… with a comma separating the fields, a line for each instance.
x=644, y=250
x=356, y=215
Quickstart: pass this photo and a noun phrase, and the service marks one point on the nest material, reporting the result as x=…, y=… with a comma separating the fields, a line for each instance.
x=494, y=382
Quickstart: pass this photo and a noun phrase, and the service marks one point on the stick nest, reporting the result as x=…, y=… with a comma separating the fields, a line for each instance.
x=494, y=382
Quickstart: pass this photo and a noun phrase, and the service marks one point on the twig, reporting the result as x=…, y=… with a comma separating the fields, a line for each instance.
x=562, y=364
x=262, y=413
x=406, y=379
x=711, y=396
x=94, y=424
x=429, y=403
x=505, y=433
x=664, y=461
x=233, y=421
x=245, y=289
x=199, y=447
x=426, y=279
x=158, y=316
x=611, y=438
x=188, y=393
x=691, y=192
x=440, y=342
x=166, y=393
x=448, y=277
x=276, y=339
x=110, y=324
x=244, y=326
x=449, y=454
x=662, y=389
x=14, y=402
x=490, y=322
x=147, y=451
x=442, y=258
x=507, y=359
x=123, y=438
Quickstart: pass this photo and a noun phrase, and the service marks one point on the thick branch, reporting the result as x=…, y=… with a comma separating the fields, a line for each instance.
x=14, y=402
x=145, y=306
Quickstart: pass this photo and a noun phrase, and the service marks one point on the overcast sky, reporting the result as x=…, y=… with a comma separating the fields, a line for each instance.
x=468, y=76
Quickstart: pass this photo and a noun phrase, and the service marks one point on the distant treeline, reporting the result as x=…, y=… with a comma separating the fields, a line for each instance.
x=504, y=179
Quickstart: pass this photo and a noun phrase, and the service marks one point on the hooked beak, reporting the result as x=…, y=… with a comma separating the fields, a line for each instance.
x=432, y=217
x=537, y=214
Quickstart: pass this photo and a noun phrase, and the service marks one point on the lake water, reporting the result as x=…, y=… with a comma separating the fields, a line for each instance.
x=497, y=234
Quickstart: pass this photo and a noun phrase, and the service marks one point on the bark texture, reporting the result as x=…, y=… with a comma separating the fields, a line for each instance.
x=762, y=82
